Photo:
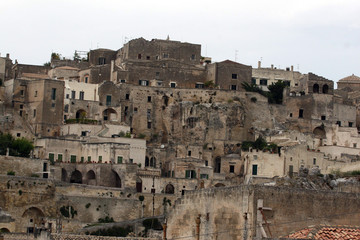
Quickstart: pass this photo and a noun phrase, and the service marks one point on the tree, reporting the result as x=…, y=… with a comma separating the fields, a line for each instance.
x=276, y=92
x=76, y=56
x=6, y=141
x=21, y=147
x=55, y=56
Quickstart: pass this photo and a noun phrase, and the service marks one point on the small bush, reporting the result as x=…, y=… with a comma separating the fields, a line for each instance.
x=106, y=220
x=254, y=99
x=88, y=205
x=141, y=135
x=11, y=173
x=35, y=175
x=141, y=198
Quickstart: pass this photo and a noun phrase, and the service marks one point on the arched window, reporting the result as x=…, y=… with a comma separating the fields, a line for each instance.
x=325, y=89
x=147, y=163
x=169, y=189
x=316, y=88
x=217, y=167
x=153, y=162
x=80, y=114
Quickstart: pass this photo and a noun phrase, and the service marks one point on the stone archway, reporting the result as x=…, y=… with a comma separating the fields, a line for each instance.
x=147, y=161
x=117, y=179
x=320, y=132
x=316, y=88
x=109, y=114
x=76, y=177
x=4, y=230
x=80, y=114
x=90, y=178
x=33, y=217
x=169, y=189
x=325, y=89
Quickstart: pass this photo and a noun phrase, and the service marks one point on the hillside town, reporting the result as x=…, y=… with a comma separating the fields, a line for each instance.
x=156, y=141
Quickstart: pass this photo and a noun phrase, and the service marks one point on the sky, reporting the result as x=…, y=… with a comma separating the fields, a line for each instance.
x=319, y=36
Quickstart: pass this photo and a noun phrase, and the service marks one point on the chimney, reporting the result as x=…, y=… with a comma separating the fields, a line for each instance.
x=259, y=64
x=292, y=68
x=272, y=66
x=7, y=55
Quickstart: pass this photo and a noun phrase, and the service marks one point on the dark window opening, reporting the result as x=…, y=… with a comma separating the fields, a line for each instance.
x=102, y=61
x=323, y=117
x=149, y=98
x=234, y=76
x=144, y=82
x=21, y=113
x=165, y=55
x=135, y=110
x=147, y=57
x=316, y=88
x=139, y=56
x=199, y=85
x=81, y=96
x=233, y=87
x=73, y=94
x=22, y=92
x=301, y=113
x=338, y=123
x=314, y=161
x=83, y=133
x=86, y=79
x=108, y=100
x=290, y=114
x=253, y=81
x=173, y=85
x=34, y=115
x=263, y=82
x=189, y=153
x=53, y=94
x=149, y=125
x=190, y=174
x=36, y=93
x=254, y=170
x=232, y=168
x=325, y=89
x=122, y=80
x=350, y=124
x=127, y=96
x=192, y=56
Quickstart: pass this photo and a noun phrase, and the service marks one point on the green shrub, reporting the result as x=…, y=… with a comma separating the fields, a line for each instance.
x=114, y=232
x=106, y=220
x=11, y=173
x=88, y=205
x=64, y=210
x=35, y=175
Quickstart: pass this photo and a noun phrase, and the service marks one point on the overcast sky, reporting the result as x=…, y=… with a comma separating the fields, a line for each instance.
x=319, y=36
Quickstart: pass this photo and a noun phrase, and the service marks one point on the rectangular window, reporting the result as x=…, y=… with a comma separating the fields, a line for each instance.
x=34, y=114
x=102, y=61
x=157, y=75
x=234, y=76
x=233, y=87
x=232, y=168
x=338, y=123
x=131, y=160
x=149, y=99
x=60, y=157
x=139, y=56
x=100, y=159
x=192, y=56
x=254, y=170
x=135, y=110
x=73, y=158
x=144, y=82
x=51, y=157
x=53, y=94
x=73, y=94
x=165, y=55
x=173, y=85
x=253, y=81
x=323, y=117
x=190, y=174
x=81, y=96
x=149, y=125
x=108, y=100
x=263, y=82
x=119, y=159
x=189, y=153
x=301, y=113
x=86, y=79
x=82, y=159
x=199, y=85
x=83, y=133
x=204, y=176
x=350, y=124
x=66, y=108
x=122, y=81
x=314, y=161
x=21, y=106
x=354, y=145
x=67, y=96
x=127, y=96
x=89, y=158
x=22, y=92
x=20, y=113
x=35, y=94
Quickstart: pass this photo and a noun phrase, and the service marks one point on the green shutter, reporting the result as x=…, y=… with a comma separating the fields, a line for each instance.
x=100, y=159
x=60, y=157
x=89, y=158
x=73, y=158
x=82, y=159
x=51, y=158
x=120, y=159
x=193, y=175
x=187, y=173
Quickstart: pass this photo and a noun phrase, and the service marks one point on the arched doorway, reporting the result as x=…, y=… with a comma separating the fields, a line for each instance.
x=147, y=161
x=169, y=189
x=138, y=185
x=325, y=89
x=217, y=167
x=109, y=114
x=319, y=132
x=316, y=88
x=117, y=182
x=90, y=178
x=76, y=177
x=4, y=230
x=63, y=175
x=33, y=217
x=153, y=162
x=80, y=114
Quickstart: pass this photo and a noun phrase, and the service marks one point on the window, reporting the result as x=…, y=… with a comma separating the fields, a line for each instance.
x=89, y=158
x=73, y=158
x=18, y=134
x=86, y=79
x=144, y=82
x=53, y=94
x=51, y=157
x=67, y=96
x=233, y=87
x=82, y=159
x=119, y=159
x=53, y=105
x=148, y=113
x=232, y=168
x=157, y=75
x=147, y=57
x=20, y=113
x=301, y=113
x=131, y=160
x=35, y=94
x=189, y=153
x=204, y=176
x=81, y=96
x=338, y=123
x=255, y=157
x=60, y=157
x=290, y=114
x=287, y=83
x=66, y=108
x=127, y=96
x=122, y=80
x=34, y=114
x=323, y=117
x=254, y=170
x=83, y=133
x=100, y=159
x=263, y=82
x=21, y=92
x=73, y=93
x=199, y=85
x=206, y=163
x=350, y=124
x=173, y=85
x=139, y=56
x=108, y=100
x=149, y=98
x=149, y=125
x=253, y=81
x=165, y=55
x=314, y=161
x=135, y=110
x=190, y=174
x=234, y=76
x=102, y=61
x=21, y=106
x=192, y=57
x=354, y=145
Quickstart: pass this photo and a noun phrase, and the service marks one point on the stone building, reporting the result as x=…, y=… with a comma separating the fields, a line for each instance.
x=350, y=83
x=5, y=68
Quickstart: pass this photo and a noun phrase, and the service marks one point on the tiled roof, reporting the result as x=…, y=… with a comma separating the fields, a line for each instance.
x=351, y=78
x=327, y=233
